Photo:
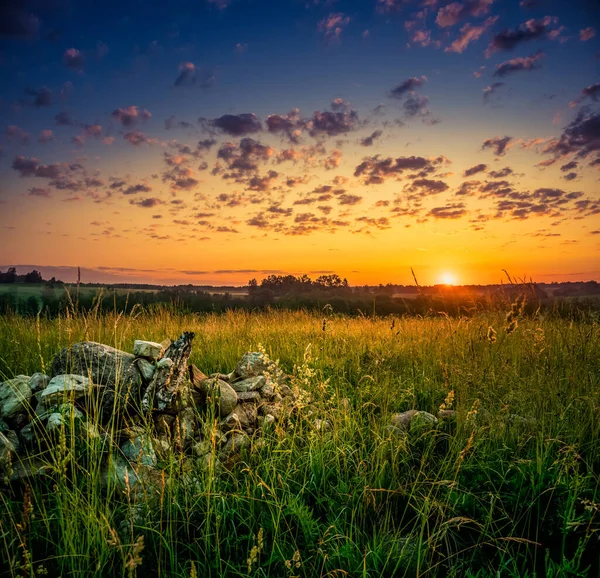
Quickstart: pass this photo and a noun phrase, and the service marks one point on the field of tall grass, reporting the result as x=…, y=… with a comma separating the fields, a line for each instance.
x=510, y=488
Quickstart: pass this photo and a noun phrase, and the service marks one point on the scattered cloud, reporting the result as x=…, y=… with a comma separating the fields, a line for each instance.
x=520, y=64
x=498, y=145
x=530, y=30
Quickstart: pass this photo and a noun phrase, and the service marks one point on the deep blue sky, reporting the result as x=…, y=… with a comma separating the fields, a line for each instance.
x=454, y=79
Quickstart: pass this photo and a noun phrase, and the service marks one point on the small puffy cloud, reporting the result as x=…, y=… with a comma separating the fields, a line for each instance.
x=187, y=74
x=502, y=173
x=130, y=116
x=581, y=137
x=332, y=25
x=74, y=59
x=587, y=34
x=46, y=136
x=407, y=86
x=348, y=199
x=426, y=187
x=530, y=30
x=369, y=140
x=520, y=64
x=498, y=145
x=470, y=33
x=455, y=12
x=40, y=192
x=569, y=166
x=474, y=170
x=137, y=138
x=290, y=125
x=15, y=132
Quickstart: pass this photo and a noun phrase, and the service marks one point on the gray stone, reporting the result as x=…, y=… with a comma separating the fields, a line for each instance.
x=38, y=381
x=105, y=366
x=165, y=362
x=267, y=391
x=285, y=390
x=220, y=393
x=249, y=396
x=9, y=445
x=274, y=409
x=223, y=376
x=68, y=386
x=412, y=418
x=236, y=442
x=147, y=349
x=140, y=450
x=252, y=364
x=14, y=396
x=55, y=421
x=186, y=423
x=250, y=384
x=146, y=369
x=266, y=420
x=447, y=414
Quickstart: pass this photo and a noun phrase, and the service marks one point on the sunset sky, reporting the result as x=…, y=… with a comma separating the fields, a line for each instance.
x=211, y=141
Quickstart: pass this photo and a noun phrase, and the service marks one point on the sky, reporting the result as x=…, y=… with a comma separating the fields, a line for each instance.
x=214, y=141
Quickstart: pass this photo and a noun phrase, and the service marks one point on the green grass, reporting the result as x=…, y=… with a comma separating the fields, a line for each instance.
x=511, y=489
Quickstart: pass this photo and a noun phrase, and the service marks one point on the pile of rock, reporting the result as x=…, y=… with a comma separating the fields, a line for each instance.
x=138, y=408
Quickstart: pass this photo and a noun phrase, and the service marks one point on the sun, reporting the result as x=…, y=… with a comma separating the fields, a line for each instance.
x=448, y=278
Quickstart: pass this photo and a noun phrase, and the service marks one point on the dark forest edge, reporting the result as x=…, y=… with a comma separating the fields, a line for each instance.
x=327, y=292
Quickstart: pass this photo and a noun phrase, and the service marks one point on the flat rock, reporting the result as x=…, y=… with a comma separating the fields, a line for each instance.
x=140, y=450
x=219, y=392
x=38, y=381
x=105, y=366
x=412, y=418
x=147, y=349
x=252, y=364
x=250, y=384
x=146, y=369
x=15, y=395
x=68, y=386
x=249, y=396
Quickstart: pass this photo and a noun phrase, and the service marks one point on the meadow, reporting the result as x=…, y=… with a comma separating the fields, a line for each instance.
x=509, y=488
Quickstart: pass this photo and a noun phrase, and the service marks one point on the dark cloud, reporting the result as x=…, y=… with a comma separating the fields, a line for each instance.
x=245, y=157
x=64, y=119
x=235, y=124
x=569, y=166
x=474, y=170
x=369, y=140
x=455, y=12
x=375, y=170
x=172, y=122
x=450, y=211
x=40, y=192
x=592, y=91
x=134, y=189
x=426, y=187
x=130, y=116
x=520, y=64
x=497, y=144
x=74, y=59
x=416, y=106
x=505, y=172
x=581, y=137
x=43, y=97
x=332, y=123
x=290, y=125
x=347, y=199
x=409, y=85
x=488, y=91
x=46, y=136
x=570, y=176
x=206, y=144
x=509, y=39
x=147, y=203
